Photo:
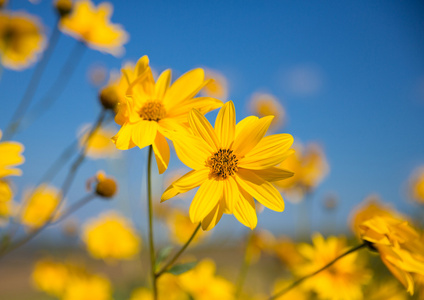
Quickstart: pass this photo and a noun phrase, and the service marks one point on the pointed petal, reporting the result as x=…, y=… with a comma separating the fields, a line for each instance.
x=162, y=84
x=251, y=135
x=203, y=129
x=161, y=150
x=144, y=133
x=225, y=125
x=213, y=217
x=261, y=190
x=206, y=198
x=189, y=181
x=243, y=123
x=231, y=193
x=274, y=174
x=123, y=139
x=245, y=211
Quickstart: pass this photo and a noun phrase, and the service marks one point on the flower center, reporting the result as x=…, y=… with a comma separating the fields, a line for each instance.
x=152, y=111
x=223, y=163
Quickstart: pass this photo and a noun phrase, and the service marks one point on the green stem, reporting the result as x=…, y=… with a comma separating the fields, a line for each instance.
x=244, y=267
x=300, y=280
x=178, y=254
x=150, y=210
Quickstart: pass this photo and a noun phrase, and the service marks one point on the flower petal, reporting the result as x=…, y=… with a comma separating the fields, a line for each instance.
x=261, y=190
x=123, y=139
x=206, y=198
x=186, y=183
x=251, y=135
x=274, y=174
x=203, y=129
x=245, y=211
x=225, y=124
x=161, y=150
x=243, y=123
x=231, y=193
x=162, y=84
x=144, y=133
x=202, y=104
x=213, y=217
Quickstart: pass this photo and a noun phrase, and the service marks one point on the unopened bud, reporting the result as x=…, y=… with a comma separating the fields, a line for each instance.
x=63, y=7
x=106, y=188
x=108, y=97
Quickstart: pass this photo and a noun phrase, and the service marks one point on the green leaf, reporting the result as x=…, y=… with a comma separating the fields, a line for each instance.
x=163, y=254
x=182, y=268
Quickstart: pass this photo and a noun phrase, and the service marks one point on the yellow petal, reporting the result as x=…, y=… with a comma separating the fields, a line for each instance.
x=274, y=174
x=213, y=217
x=122, y=139
x=225, y=124
x=203, y=129
x=251, y=135
x=245, y=211
x=261, y=190
x=202, y=104
x=161, y=150
x=191, y=150
x=231, y=193
x=187, y=182
x=144, y=133
x=270, y=151
x=142, y=64
x=206, y=198
x=162, y=84
x=243, y=123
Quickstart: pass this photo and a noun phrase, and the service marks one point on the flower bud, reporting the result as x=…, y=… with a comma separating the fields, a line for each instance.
x=63, y=7
x=106, y=187
x=108, y=97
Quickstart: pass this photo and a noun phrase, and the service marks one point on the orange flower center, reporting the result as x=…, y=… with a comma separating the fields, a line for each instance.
x=152, y=111
x=223, y=163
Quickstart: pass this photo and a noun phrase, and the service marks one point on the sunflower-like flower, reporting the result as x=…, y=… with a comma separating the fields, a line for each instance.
x=153, y=110
x=21, y=40
x=232, y=164
x=91, y=25
x=343, y=279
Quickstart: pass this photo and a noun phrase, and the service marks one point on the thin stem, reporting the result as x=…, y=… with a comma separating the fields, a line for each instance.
x=150, y=210
x=34, y=82
x=55, y=91
x=300, y=280
x=244, y=267
x=73, y=208
x=178, y=254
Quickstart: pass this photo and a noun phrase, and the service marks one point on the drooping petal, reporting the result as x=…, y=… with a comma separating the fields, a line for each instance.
x=189, y=181
x=274, y=174
x=144, y=133
x=161, y=150
x=206, y=198
x=245, y=211
x=251, y=135
x=162, y=84
x=225, y=125
x=123, y=139
x=231, y=193
x=202, y=128
x=261, y=190
x=213, y=217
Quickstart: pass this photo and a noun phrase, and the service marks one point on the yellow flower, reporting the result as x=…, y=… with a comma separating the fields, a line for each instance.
x=417, y=185
x=6, y=204
x=50, y=276
x=154, y=110
x=111, y=236
x=388, y=290
x=342, y=280
x=309, y=166
x=217, y=87
x=285, y=249
x=202, y=283
x=232, y=164
x=398, y=244
x=21, y=40
x=181, y=228
x=92, y=26
x=262, y=104
x=39, y=205
x=91, y=287
x=100, y=144
x=10, y=156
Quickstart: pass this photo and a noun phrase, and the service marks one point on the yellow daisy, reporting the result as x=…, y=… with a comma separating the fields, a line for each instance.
x=91, y=25
x=21, y=40
x=232, y=164
x=153, y=110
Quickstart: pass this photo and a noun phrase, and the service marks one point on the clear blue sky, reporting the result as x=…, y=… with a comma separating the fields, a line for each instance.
x=359, y=91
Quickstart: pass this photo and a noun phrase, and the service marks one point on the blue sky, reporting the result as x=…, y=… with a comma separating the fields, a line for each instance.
x=350, y=75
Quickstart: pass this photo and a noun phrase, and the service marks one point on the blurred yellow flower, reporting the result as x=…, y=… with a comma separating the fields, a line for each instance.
x=10, y=156
x=342, y=280
x=6, y=204
x=217, y=87
x=297, y=293
x=181, y=228
x=398, y=244
x=388, y=290
x=21, y=40
x=90, y=287
x=111, y=236
x=233, y=164
x=153, y=110
x=91, y=25
x=260, y=241
x=168, y=289
x=286, y=251
x=50, y=276
x=310, y=167
x=202, y=283
x=39, y=205
x=100, y=144
x=417, y=185
x=263, y=104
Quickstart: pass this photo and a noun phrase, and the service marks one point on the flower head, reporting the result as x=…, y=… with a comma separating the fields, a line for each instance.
x=88, y=287
x=232, y=164
x=153, y=110
x=111, y=236
x=21, y=40
x=10, y=156
x=92, y=25
x=50, y=276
